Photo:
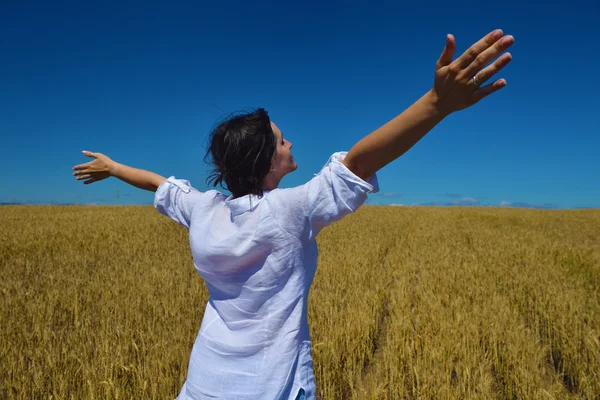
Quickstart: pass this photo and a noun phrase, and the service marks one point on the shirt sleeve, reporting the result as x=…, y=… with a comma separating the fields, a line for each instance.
x=333, y=193
x=176, y=198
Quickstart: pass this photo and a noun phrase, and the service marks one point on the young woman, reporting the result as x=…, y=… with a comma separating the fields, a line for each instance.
x=256, y=249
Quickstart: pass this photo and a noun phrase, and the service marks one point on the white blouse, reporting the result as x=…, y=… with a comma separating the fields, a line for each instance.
x=258, y=257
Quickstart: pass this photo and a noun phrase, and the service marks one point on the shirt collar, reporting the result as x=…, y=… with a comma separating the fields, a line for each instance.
x=245, y=203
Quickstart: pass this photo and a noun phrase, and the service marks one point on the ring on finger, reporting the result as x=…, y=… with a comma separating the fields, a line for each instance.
x=475, y=81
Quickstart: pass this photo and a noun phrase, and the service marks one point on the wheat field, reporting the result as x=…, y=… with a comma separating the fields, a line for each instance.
x=408, y=302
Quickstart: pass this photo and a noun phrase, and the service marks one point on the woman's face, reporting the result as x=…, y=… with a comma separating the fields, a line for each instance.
x=283, y=162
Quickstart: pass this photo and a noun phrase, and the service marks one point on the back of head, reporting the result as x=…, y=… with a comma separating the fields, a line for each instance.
x=241, y=150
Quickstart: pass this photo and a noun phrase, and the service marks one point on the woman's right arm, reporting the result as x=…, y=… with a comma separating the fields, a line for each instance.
x=103, y=167
x=454, y=89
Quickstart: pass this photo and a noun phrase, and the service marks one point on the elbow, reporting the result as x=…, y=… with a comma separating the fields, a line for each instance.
x=154, y=185
x=357, y=168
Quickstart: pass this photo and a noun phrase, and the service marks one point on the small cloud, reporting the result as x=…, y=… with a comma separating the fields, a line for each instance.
x=522, y=204
x=389, y=194
x=430, y=203
x=466, y=201
x=396, y=205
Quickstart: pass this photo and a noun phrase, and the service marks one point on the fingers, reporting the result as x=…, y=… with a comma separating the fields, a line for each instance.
x=468, y=56
x=81, y=166
x=87, y=154
x=82, y=172
x=488, y=89
x=492, y=69
x=486, y=56
x=90, y=154
x=447, y=53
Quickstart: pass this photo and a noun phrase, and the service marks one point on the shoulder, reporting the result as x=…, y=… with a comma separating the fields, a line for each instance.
x=289, y=208
x=210, y=198
x=288, y=200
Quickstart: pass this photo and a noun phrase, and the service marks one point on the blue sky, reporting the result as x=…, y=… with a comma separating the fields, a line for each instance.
x=144, y=83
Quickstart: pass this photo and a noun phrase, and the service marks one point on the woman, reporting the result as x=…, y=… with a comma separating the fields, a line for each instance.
x=256, y=249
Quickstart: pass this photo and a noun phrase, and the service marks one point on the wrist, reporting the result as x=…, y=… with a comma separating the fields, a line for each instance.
x=436, y=105
x=113, y=168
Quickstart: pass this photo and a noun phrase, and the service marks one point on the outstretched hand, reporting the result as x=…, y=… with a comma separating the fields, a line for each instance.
x=96, y=170
x=457, y=83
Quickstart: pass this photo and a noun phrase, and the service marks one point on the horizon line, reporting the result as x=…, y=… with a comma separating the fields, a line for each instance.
x=532, y=207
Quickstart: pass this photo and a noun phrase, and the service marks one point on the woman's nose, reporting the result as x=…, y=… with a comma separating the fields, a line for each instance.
x=289, y=144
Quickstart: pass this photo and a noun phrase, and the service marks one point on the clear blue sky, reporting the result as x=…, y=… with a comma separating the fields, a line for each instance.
x=144, y=83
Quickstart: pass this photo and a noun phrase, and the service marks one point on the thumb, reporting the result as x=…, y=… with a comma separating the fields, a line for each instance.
x=90, y=154
x=448, y=53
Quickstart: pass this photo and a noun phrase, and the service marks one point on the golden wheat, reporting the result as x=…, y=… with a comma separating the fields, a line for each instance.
x=427, y=303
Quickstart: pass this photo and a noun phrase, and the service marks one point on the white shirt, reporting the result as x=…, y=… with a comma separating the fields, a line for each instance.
x=258, y=257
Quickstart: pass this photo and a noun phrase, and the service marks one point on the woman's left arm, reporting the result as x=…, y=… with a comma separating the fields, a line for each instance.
x=456, y=86
x=102, y=167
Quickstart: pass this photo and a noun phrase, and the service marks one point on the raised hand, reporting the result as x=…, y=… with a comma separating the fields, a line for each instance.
x=96, y=170
x=457, y=84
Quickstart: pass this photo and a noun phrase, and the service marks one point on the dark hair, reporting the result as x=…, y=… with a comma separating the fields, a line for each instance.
x=240, y=152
